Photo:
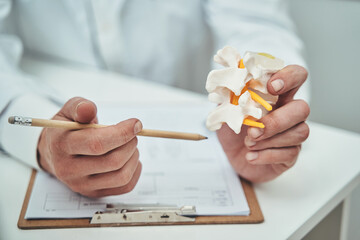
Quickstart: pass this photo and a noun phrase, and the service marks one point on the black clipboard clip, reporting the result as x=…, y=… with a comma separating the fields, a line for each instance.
x=127, y=213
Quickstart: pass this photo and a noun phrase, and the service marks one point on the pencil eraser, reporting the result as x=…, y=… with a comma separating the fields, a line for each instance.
x=11, y=120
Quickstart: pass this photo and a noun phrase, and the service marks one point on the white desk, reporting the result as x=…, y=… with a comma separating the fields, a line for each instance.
x=326, y=172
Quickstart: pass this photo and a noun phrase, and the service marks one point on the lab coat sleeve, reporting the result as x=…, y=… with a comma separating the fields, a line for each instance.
x=259, y=26
x=20, y=94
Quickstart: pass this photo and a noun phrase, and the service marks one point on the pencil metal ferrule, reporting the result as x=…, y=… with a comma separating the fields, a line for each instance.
x=23, y=121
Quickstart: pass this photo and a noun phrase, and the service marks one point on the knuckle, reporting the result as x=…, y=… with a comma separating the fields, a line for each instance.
x=59, y=143
x=305, y=108
x=125, y=135
x=133, y=150
x=126, y=131
x=280, y=168
x=118, y=158
x=272, y=123
x=290, y=163
x=93, y=194
x=56, y=146
x=98, y=194
x=60, y=146
x=115, y=160
x=61, y=171
x=270, y=155
x=304, y=131
x=136, y=141
x=76, y=188
x=95, y=145
x=131, y=147
x=79, y=187
x=136, y=154
x=294, y=152
x=128, y=188
x=125, y=177
x=304, y=72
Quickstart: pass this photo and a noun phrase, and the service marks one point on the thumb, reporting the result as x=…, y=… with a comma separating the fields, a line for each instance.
x=79, y=110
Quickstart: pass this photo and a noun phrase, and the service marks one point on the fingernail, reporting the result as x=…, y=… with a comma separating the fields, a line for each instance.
x=138, y=127
x=277, y=84
x=255, y=132
x=77, y=107
x=251, y=156
x=249, y=142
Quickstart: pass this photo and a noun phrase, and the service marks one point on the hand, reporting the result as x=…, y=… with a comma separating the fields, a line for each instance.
x=93, y=162
x=262, y=154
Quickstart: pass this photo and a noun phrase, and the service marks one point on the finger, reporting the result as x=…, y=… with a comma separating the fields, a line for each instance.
x=114, y=179
x=280, y=120
x=286, y=82
x=99, y=141
x=111, y=161
x=291, y=137
x=286, y=156
x=79, y=110
x=119, y=190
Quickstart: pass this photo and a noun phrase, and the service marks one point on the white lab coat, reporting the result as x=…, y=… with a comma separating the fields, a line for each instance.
x=170, y=42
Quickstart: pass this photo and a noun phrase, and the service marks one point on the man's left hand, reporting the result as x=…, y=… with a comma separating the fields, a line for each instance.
x=262, y=154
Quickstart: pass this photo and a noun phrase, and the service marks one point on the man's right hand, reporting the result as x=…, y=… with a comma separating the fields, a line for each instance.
x=93, y=162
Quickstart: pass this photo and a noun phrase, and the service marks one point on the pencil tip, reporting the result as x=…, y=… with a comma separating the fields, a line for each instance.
x=11, y=120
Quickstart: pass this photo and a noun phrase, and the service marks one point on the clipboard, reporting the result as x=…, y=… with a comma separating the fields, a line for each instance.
x=255, y=216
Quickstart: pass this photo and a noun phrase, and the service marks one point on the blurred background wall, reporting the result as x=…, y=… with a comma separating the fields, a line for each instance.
x=330, y=30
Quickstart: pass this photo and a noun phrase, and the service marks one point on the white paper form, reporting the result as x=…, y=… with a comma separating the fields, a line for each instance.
x=175, y=172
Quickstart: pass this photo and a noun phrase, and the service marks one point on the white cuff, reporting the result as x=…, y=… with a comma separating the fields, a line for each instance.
x=21, y=142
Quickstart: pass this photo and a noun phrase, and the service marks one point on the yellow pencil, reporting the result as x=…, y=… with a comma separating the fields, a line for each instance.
x=36, y=122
